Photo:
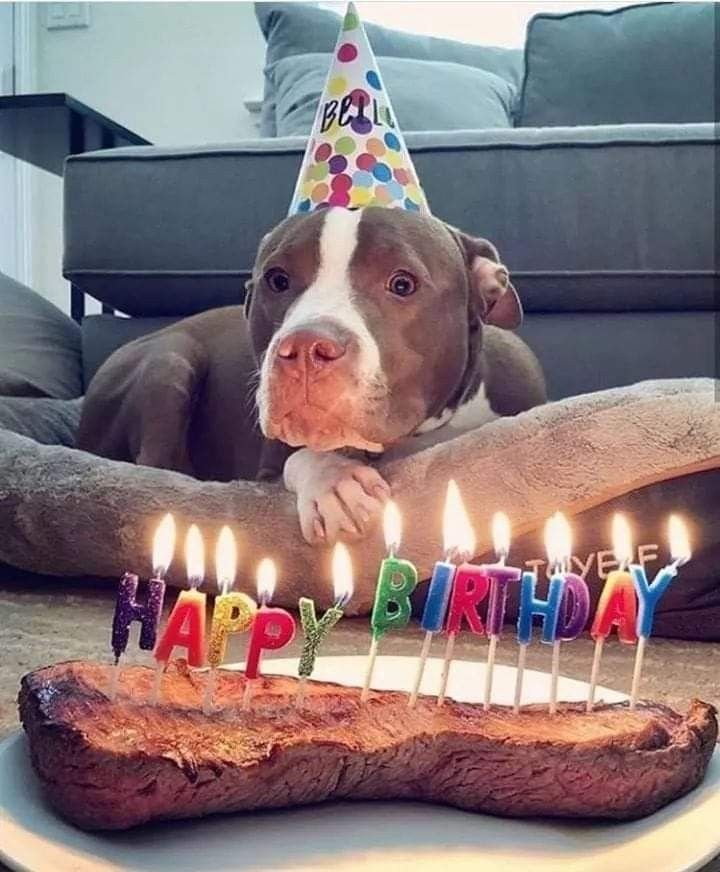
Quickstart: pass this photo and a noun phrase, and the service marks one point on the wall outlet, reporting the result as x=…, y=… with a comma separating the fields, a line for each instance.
x=62, y=16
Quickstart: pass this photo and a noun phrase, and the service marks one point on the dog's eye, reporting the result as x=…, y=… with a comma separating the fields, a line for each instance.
x=402, y=284
x=278, y=279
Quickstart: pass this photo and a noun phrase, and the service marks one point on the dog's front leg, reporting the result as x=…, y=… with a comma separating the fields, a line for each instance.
x=335, y=494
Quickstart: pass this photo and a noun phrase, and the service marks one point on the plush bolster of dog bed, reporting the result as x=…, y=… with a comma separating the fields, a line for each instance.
x=64, y=512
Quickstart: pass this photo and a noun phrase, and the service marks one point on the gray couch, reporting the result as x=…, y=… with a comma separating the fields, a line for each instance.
x=598, y=191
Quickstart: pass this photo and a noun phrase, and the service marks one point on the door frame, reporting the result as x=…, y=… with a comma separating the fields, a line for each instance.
x=25, y=82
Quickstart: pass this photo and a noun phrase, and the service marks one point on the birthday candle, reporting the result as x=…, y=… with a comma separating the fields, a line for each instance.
x=500, y=577
x=128, y=609
x=397, y=579
x=315, y=631
x=617, y=606
x=273, y=628
x=470, y=585
x=530, y=605
x=438, y=596
x=233, y=612
x=559, y=548
x=649, y=594
x=186, y=625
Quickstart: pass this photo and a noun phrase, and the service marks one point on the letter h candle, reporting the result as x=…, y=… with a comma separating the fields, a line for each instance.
x=127, y=607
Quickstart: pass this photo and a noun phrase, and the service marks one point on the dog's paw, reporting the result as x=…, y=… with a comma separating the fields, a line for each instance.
x=342, y=499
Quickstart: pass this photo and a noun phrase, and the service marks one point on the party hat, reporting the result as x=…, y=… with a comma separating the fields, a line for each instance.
x=356, y=155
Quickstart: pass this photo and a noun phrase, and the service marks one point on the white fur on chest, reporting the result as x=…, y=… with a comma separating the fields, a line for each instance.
x=446, y=426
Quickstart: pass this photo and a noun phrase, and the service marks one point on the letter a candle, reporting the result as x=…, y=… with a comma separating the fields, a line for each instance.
x=186, y=624
x=273, y=628
x=617, y=605
x=315, y=631
x=233, y=611
x=649, y=594
x=128, y=609
x=397, y=579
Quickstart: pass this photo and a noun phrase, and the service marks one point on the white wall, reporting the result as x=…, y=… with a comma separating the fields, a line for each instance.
x=176, y=73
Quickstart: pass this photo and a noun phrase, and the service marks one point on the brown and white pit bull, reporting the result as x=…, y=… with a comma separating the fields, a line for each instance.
x=375, y=331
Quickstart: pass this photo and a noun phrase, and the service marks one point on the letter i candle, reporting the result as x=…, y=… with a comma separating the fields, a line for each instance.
x=470, y=584
x=315, y=631
x=128, y=609
x=273, y=628
x=649, y=594
x=233, y=611
x=397, y=579
x=186, y=624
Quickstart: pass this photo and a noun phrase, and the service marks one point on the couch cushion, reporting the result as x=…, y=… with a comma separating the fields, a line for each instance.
x=299, y=28
x=425, y=95
x=588, y=219
x=39, y=346
x=649, y=64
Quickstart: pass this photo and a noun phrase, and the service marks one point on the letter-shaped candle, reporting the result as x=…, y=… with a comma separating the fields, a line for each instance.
x=500, y=577
x=530, y=605
x=127, y=607
x=273, y=628
x=186, y=625
x=470, y=585
x=649, y=594
x=315, y=630
x=233, y=611
x=397, y=579
x=617, y=606
x=558, y=543
x=440, y=589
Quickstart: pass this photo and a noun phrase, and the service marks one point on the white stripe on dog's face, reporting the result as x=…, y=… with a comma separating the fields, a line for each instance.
x=331, y=296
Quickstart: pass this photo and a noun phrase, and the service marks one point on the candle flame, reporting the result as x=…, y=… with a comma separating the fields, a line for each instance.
x=501, y=534
x=392, y=526
x=225, y=558
x=163, y=546
x=679, y=541
x=342, y=574
x=266, y=579
x=195, y=554
x=622, y=540
x=558, y=540
x=458, y=534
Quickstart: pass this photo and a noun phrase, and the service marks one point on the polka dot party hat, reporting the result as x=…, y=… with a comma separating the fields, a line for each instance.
x=356, y=155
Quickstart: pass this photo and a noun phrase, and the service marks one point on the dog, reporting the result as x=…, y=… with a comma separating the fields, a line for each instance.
x=365, y=333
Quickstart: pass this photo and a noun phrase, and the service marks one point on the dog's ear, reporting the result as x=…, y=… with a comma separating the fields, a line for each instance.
x=496, y=300
x=249, y=288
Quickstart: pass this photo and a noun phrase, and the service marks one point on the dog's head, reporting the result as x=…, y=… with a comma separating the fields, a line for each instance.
x=365, y=323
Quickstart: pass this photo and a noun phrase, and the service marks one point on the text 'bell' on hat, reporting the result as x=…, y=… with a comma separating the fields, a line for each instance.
x=356, y=155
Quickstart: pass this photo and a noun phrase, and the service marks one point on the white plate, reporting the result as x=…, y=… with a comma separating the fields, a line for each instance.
x=368, y=836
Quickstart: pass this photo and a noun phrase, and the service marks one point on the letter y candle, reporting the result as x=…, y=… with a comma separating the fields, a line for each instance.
x=315, y=631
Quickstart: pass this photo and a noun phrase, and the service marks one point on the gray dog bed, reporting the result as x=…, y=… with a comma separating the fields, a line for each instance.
x=649, y=449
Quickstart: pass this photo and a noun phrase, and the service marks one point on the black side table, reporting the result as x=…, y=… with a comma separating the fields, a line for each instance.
x=43, y=129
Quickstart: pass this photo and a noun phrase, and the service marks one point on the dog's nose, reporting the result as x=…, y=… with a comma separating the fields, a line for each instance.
x=309, y=349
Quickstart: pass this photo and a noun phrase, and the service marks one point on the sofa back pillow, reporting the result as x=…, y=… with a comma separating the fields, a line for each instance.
x=649, y=64
x=39, y=346
x=426, y=95
x=299, y=28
